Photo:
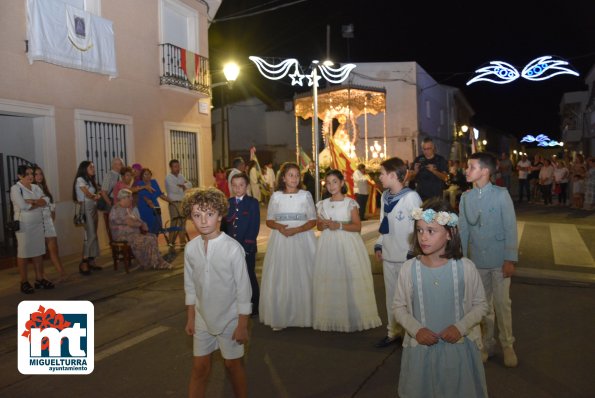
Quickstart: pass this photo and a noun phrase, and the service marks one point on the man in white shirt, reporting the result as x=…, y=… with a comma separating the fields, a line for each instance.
x=523, y=167
x=360, y=186
x=238, y=166
x=175, y=185
x=107, y=190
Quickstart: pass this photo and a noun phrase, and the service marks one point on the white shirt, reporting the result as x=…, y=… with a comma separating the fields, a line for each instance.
x=561, y=175
x=216, y=282
x=174, y=192
x=523, y=173
x=80, y=195
x=361, y=183
x=397, y=242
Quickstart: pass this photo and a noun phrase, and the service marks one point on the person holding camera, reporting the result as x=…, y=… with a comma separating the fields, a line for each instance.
x=85, y=192
x=28, y=201
x=430, y=171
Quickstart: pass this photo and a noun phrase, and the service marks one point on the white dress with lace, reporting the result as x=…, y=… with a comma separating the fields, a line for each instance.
x=286, y=286
x=344, y=298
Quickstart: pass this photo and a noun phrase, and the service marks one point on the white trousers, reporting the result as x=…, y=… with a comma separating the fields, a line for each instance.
x=497, y=290
x=391, y=271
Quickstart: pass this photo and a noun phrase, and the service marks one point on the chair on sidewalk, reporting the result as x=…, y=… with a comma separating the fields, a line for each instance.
x=121, y=251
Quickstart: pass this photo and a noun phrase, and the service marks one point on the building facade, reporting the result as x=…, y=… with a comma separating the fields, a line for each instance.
x=153, y=107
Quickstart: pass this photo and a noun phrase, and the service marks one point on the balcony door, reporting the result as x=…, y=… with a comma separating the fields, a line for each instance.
x=179, y=25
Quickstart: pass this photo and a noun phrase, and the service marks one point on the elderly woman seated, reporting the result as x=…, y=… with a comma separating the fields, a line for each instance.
x=125, y=224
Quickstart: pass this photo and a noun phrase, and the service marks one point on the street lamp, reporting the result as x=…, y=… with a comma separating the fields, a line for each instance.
x=231, y=70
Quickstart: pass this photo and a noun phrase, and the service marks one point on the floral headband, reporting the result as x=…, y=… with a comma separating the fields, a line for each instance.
x=441, y=217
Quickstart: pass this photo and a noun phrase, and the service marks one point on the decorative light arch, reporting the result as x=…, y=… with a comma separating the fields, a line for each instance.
x=541, y=68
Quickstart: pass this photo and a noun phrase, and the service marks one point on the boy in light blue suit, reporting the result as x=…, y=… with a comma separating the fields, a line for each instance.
x=488, y=230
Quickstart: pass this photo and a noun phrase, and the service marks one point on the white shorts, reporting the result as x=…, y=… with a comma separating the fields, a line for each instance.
x=205, y=343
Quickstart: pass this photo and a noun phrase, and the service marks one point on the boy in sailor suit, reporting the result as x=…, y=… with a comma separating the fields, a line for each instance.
x=488, y=230
x=243, y=224
x=396, y=232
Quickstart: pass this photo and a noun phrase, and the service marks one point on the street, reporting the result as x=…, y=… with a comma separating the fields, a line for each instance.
x=141, y=348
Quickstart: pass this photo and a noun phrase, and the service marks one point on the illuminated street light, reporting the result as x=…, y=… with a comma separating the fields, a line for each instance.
x=231, y=70
x=464, y=128
x=484, y=142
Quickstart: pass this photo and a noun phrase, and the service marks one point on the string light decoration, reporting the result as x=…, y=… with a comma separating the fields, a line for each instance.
x=541, y=68
x=542, y=140
x=282, y=69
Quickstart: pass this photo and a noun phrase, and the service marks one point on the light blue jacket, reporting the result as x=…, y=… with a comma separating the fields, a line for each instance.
x=487, y=225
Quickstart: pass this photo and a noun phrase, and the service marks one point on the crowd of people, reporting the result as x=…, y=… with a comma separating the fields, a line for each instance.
x=444, y=273
x=128, y=198
x=571, y=182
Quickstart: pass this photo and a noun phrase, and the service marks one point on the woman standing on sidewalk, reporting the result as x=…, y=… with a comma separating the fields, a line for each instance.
x=85, y=192
x=49, y=215
x=561, y=179
x=28, y=201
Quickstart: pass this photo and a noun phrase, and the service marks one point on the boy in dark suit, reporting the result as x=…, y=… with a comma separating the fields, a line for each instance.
x=243, y=224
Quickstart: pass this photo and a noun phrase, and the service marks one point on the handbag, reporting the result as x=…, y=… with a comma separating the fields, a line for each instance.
x=102, y=205
x=79, y=214
x=13, y=226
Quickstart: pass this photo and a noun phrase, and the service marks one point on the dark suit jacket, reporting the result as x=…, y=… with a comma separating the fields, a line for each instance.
x=310, y=182
x=243, y=222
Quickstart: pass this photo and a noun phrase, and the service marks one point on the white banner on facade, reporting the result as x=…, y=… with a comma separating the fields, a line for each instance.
x=64, y=35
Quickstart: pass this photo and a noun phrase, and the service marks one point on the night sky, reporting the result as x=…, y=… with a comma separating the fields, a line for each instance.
x=449, y=39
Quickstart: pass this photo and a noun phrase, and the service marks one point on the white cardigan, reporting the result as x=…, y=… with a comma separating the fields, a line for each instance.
x=474, y=304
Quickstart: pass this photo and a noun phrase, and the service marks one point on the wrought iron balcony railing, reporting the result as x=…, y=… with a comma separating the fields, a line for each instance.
x=183, y=68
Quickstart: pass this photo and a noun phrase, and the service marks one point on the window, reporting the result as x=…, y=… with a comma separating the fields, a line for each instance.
x=104, y=142
x=183, y=148
x=100, y=137
x=179, y=25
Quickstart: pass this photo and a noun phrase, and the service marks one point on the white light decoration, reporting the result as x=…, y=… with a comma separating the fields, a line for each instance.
x=541, y=68
x=539, y=138
x=475, y=133
x=535, y=70
x=464, y=128
x=502, y=70
x=282, y=69
x=542, y=140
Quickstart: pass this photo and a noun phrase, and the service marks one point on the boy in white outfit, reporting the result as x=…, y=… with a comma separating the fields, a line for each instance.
x=396, y=232
x=217, y=290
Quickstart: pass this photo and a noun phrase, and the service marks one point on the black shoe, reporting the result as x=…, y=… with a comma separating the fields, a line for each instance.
x=386, y=341
x=44, y=283
x=27, y=288
x=84, y=271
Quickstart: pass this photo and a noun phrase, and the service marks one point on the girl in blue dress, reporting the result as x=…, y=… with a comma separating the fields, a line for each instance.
x=440, y=302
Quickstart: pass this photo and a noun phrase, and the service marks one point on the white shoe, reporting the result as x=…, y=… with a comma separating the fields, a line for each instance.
x=277, y=329
x=510, y=358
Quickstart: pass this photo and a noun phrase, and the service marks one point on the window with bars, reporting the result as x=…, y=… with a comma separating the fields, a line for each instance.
x=184, y=148
x=104, y=142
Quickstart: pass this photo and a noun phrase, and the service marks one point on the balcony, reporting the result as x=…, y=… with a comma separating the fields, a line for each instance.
x=182, y=68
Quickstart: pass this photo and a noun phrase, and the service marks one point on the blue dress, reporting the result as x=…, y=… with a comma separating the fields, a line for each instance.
x=147, y=214
x=443, y=369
